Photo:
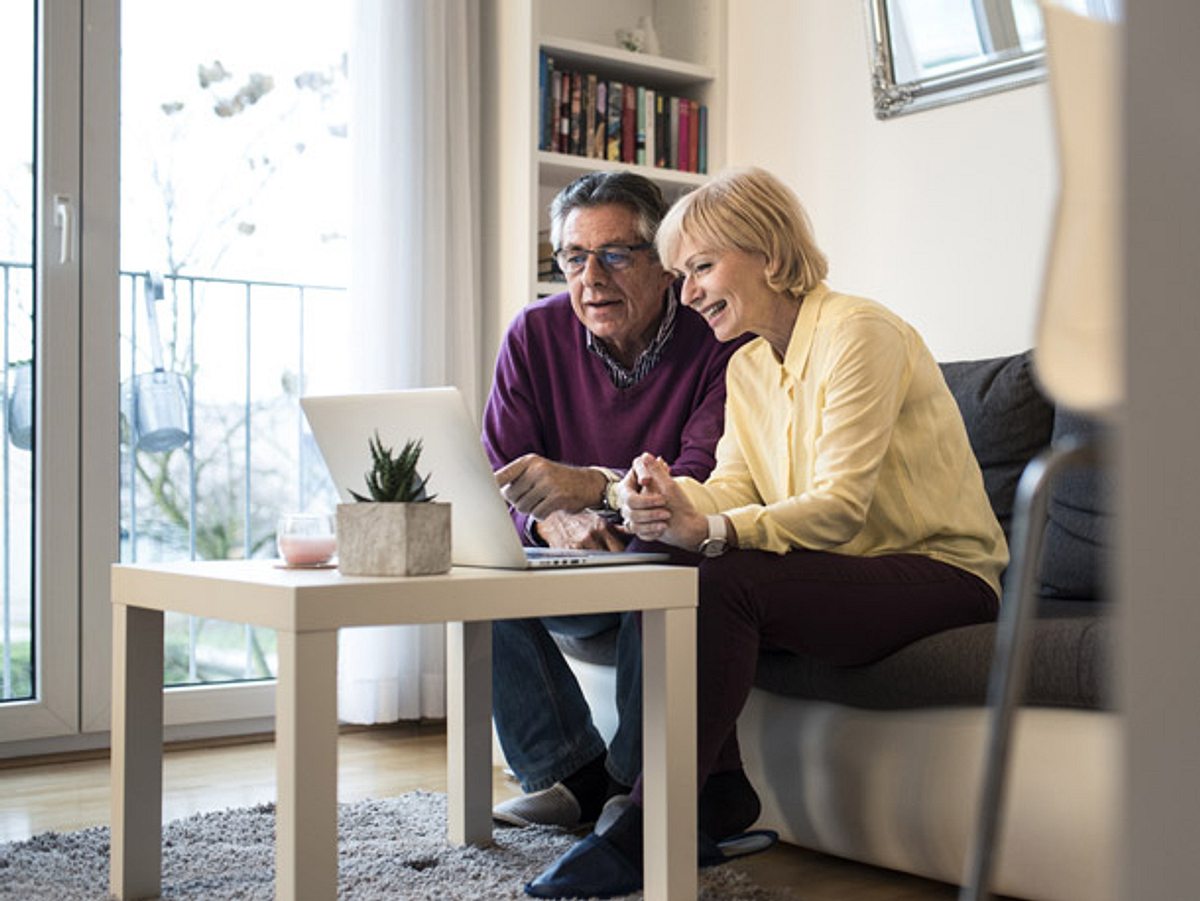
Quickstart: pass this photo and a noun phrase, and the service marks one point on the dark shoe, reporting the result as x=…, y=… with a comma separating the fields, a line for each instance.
x=600, y=867
x=553, y=806
x=594, y=868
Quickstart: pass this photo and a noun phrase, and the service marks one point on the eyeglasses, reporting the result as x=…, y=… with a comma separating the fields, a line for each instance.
x=613, y=257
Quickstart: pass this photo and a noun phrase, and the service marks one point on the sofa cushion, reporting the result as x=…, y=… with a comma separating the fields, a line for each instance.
x=1074, y=558
x=1008, y=421
x=1068, y=666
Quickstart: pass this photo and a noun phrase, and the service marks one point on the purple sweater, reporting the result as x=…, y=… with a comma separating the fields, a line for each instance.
x=552, y=396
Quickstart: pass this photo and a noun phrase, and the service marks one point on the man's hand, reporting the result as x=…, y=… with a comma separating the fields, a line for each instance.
x=539, y=487
x=579, y=530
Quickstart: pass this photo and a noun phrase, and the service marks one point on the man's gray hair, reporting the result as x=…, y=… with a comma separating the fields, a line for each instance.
x=600, y=188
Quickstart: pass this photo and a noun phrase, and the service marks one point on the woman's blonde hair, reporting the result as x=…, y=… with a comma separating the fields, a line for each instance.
x=753, y=211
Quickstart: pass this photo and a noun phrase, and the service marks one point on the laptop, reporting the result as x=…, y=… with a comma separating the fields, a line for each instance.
x=482, y=533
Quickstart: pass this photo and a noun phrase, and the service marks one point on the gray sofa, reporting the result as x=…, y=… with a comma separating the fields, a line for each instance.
x=881, y=763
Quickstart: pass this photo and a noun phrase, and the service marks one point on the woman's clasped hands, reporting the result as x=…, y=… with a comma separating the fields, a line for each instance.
x=654, y=508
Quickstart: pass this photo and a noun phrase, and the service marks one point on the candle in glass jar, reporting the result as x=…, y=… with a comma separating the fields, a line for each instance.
x=306, y=539
x=307, y=550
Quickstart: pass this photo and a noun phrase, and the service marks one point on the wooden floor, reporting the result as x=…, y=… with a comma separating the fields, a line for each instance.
x=63, y=795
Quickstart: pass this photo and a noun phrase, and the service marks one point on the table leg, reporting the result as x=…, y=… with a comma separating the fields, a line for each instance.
x=469, y=732
x=669, y=753
x=306, y=849
x=135, y=864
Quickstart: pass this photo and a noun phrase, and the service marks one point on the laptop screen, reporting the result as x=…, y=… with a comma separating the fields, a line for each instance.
x=482, y=533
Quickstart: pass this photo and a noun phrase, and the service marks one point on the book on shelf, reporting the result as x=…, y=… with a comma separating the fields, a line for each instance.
x=577, y=81
x=662, y=146
x=616, y=100
x=564, y=113
x=693, y=137
x=639, y=155
x=547, y=266
x=600, y=122
x=545, y=93
x=553, y=111
x=629, y=125
x=647, y=126
x=589, y=115
x=685, y=115
x=702, y=143
x=673, y=134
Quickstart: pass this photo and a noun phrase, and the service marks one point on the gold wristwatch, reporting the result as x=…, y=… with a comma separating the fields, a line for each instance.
x=609, y=506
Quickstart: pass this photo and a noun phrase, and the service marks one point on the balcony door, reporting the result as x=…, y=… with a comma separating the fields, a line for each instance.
x=151, y=373
x=45, y=184
x=235, y=196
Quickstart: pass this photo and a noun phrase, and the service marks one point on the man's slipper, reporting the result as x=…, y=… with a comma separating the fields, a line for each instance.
x=553, y=806
x=734, y=846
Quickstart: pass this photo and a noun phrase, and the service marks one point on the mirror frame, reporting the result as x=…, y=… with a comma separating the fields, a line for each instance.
x=894, y=98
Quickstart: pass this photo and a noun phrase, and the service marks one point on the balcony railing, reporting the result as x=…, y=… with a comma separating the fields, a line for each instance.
x=227, y=359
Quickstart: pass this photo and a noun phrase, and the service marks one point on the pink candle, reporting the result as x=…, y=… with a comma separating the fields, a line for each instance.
x=307, y=550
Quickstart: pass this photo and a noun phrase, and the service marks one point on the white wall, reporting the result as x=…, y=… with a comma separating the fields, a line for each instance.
x=942, y=215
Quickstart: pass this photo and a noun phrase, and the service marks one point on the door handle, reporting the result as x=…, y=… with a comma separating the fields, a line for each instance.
x=64, y=221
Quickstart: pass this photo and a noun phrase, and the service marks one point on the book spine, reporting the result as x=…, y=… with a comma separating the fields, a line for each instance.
x=693, y=136
x=564, y=114
x=673, y=132
x=577, y=113
x=702, y=166
x=649, y=124
x=639, y=155
x=629, y=125
x=600, y=122
x=684, y=119
x=662, y=145
x=616, y=99
x=543, y=100
x=589, y=116
x=554, y=110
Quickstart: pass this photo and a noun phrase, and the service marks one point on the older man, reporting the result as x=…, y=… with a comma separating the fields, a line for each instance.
x=584, y=382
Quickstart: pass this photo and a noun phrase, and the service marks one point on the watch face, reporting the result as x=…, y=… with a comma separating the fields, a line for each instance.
x=713, y=547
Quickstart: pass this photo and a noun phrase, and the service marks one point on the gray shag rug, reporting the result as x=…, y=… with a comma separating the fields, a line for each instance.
x=390, y=849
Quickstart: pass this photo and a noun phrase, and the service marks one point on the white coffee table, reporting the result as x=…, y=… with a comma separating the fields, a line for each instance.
x=306, y=608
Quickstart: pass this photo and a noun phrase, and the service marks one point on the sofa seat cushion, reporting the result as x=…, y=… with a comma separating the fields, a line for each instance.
x=1068, y=666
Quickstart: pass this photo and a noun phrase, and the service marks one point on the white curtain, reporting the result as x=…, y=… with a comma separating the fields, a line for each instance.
x=414, y=286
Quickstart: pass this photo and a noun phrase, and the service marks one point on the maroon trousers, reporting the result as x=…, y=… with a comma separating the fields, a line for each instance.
x=844, y=610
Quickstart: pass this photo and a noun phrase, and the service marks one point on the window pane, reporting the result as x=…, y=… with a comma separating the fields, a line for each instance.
x=17, y=111
x=1029, y=24
x=939, y=35
x=235, y=188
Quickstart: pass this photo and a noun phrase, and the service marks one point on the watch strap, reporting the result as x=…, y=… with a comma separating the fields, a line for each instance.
x=608, y=505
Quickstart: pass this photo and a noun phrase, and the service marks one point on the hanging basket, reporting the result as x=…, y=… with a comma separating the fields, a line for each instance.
x=19, y=410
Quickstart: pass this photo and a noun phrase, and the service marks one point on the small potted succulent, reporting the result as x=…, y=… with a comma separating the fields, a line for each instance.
x=395, y=529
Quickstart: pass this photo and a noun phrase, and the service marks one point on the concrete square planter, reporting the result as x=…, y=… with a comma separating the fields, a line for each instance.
x=393, y=539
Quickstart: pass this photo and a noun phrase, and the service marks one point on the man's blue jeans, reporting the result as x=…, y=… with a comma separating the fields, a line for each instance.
x=542, y=719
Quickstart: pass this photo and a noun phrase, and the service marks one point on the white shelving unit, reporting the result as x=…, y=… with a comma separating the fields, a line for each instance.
x=519, y=180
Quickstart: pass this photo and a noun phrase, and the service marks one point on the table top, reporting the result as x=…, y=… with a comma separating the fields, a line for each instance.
x=261, y=593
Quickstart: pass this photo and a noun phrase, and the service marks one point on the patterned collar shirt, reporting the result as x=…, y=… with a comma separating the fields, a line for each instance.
x=622, y=377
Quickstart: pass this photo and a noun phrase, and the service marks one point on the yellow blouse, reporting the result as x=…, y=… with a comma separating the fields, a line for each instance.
x=853, y=444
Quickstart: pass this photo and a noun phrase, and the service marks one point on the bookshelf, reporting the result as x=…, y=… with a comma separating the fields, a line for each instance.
x=519, y=179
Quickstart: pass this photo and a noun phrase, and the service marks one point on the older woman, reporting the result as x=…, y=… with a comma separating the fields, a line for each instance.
x=846, y=515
